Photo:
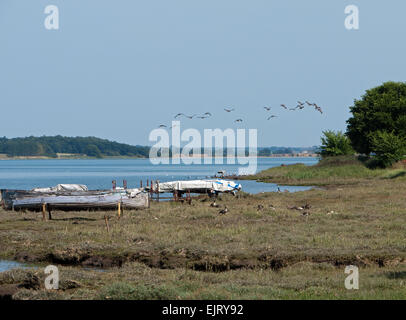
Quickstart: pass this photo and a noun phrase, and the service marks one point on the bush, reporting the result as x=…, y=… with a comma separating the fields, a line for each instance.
x=389, y=148
x=335, y=144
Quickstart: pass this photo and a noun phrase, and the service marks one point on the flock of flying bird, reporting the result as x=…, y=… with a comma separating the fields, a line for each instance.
x=300, y=106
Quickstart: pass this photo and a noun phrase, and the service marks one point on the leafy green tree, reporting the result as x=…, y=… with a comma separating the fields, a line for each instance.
x=381, y=109
x=335, y=144
x=388, y=147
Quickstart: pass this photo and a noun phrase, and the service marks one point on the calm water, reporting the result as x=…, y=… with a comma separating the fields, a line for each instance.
x=98, y=174
x=8, y=265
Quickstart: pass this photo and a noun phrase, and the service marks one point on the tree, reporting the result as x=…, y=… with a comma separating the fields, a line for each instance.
x=381, y=109
x=335, y=144
x=388, y=147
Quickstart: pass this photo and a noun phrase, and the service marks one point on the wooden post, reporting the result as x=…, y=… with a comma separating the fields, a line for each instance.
x=49, y=212
x=125, y=184
x=43, y=211
x=114, y=184
x=141, y=184
x=119, y=210
x=188, y=196
x=157, y=190
x=107, y=224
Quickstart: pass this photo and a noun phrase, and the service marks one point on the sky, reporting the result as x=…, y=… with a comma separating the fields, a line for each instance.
x=117, y=69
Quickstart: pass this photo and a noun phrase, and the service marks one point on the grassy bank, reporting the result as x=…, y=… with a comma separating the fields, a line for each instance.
x=330, y=171
x=136, y=281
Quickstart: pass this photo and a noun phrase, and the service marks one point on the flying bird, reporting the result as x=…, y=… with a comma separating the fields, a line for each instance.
x=207, y=114
x=238, y=120
x=267, y=108
x=272, y=116
x=190, y=117
x=162, y=126
x=283, y=106
x=202, y=117
x=179, y=114
x=228, y=110
x=316, y=107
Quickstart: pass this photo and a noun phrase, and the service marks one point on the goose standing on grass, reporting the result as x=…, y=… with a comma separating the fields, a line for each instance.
x=224, y=211
x=214, y=204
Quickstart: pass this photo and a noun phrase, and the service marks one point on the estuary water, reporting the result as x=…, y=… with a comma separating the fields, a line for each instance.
x=98, y=174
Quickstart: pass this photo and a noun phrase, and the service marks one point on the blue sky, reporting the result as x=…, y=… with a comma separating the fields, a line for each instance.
x=118, y=69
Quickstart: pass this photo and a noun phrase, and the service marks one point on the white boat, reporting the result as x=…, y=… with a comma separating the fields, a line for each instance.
x=196, y=186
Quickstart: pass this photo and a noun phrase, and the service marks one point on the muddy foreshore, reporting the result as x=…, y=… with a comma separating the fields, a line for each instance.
x=200, y=261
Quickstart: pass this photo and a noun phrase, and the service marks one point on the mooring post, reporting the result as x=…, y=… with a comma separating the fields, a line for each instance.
x=43, y=211
x=114, y=184
x=125, y=184
x=107, y=223
x=141, y=184
x=119, y=209
x=157, y=190
x=49, y=212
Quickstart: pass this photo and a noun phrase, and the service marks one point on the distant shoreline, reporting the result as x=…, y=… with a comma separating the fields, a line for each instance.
x=136, y=158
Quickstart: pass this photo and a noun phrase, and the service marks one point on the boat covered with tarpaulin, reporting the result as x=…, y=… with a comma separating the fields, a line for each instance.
x=196, y=186
x=73, y=197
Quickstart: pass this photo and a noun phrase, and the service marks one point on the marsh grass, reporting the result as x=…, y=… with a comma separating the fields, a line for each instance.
x=329, y=171
x=135, y=281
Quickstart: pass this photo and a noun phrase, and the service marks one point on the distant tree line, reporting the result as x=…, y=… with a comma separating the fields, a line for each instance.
x=46, y=146
x=268, y=151
x=85, y=146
